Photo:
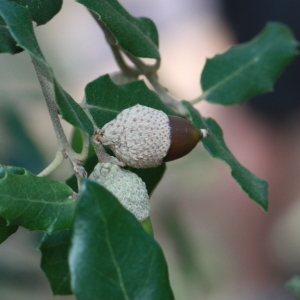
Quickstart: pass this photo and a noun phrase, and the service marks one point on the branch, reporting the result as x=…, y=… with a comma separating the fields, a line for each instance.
x=149, y=71
x=151, y=75
x=127, y=70
x=198, y=99
x=47, y=90
x=64, y=149
x=57, y=161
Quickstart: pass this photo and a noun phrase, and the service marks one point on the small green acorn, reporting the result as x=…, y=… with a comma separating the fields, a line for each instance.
x=143, y=137
x=126, y=186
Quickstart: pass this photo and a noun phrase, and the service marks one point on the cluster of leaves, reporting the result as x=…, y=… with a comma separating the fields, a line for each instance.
x=92, y=245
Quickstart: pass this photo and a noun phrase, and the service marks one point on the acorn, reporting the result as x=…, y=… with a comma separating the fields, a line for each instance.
x=143, y=137
x=126, y=186
x=184, y=137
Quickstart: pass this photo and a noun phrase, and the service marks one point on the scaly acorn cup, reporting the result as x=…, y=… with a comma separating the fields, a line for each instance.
x=126, y=186
x=143, y=137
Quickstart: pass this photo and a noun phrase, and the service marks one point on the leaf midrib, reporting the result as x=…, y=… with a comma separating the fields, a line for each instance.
x=239, y=70
x=113, y=258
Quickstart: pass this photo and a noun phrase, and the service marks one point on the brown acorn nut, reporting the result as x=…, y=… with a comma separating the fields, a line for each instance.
x=184, y=138
x=143, y=137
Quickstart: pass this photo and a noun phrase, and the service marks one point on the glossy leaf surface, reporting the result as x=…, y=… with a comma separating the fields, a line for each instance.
x=255, y=187
x=54, y=262
x=135, y=35
x=7, y=42
x=105, y=100
x=111, y=256
x=71, y=110
x=6, y=230
x=36, y=203
x=249, y=69
x=40, y=11
x=17, y=20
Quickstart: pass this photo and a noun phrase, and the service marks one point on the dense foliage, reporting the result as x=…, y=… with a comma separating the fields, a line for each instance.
x=93, y=247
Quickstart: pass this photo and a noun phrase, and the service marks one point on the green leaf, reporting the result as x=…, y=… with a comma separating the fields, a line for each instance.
x=7, y=42
x=6, y=230
x=105, y=100
x=20, y=27
x=136, y=35
x=41, y=11
x=54, y=261
x=249, y=69
x=72, y=111
x=18, y=22
x=255, y=187
x=36, y=203
x=11, y=170
x=111, y=256
x=294, y=285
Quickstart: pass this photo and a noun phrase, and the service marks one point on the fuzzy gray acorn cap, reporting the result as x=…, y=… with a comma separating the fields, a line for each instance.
x=139, y=136
x=126, y=186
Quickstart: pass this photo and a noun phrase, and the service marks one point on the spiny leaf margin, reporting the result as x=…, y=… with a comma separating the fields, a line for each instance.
x=54, y=261
x=255, y=187
x=138, y=36
x=36, y=203
x=6, y=230
x=249, y=69
x=41, y=12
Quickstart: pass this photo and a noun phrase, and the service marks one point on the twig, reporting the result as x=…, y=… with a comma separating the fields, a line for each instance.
x=198, y=99
x=85, y=147
x=152, y=77
x=149, y=71
x=57, y=161
x=127, y=70
x=64, y=149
